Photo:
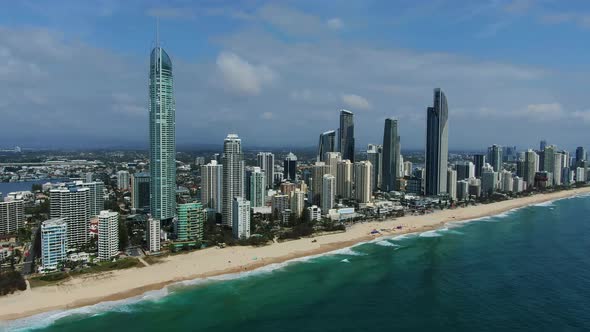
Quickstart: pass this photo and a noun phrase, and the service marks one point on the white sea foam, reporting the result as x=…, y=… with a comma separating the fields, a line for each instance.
x=432, y=233
x=404, y=236
x=346, y=251
x=345, y=260
x=385, y=243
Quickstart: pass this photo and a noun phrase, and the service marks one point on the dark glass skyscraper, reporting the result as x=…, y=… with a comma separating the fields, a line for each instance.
x=437, y=145
x=346, y=135
x=290, y=167
x=391, y=156
x=479, y=160
x=327, y=143
x=580, y=155
x=162, y=124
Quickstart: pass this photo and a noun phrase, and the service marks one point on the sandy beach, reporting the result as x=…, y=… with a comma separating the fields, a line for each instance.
x=91, y=289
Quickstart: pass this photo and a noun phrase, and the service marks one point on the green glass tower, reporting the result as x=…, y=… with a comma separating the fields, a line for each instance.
x=162, y=111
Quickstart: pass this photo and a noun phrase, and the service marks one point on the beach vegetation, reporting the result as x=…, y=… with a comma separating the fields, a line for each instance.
x=11, y=281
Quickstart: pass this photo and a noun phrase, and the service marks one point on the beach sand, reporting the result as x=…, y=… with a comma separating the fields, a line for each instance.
x=116, y=285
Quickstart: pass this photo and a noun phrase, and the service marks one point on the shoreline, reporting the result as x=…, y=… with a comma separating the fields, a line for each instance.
x=119, y=285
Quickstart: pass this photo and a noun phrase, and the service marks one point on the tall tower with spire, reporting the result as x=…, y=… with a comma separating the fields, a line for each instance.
x=162, y=125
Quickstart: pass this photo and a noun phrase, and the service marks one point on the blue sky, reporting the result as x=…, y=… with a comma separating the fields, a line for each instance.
x=74, y=73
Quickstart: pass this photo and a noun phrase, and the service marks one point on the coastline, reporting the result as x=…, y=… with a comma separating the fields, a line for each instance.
x=122, y=284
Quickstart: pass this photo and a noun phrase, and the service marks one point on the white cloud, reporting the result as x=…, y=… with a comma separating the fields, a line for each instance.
x=267, y=115
x=241, y=76
x=356, y=102
x=335, y=23
x=544, y=111
x=582, y=115
x=170, y=12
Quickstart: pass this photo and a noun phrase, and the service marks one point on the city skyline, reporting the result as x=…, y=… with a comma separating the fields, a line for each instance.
x=222, y=80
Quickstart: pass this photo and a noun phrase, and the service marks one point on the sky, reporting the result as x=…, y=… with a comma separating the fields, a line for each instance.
x=74, y=74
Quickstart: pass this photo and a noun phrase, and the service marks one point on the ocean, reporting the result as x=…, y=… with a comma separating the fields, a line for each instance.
x=524, y=270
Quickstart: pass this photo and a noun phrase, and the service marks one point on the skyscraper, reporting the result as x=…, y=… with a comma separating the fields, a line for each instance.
x=479, y=160
x=233, y=176
x=73, y=205
x=257, y=187
x=12, y=216
x=123, y=178
x=290, y=167
x=162, y=125
x=54, y=243
x=346, y=135
x=437, y=149
x=530, y=168
x=391, y=156
x=266, y=162
x=317, y=174
x=140, y=191
x=153, y=235
x=362, y=181
x=240, y=218
x=108, y=235
x=452, y=183
x=375, y=156
x=332, y=160
x=495, y=157
x=344, y=179
x=542, y=145
x=211, y=185
x=96, y=196
x=328, y=192
x=327, y=143
x=580, y=155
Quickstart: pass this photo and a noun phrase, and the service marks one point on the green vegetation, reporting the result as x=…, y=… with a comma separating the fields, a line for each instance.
x=11, y=281
x=124, y=263
x=153, y=259
x=48, y=279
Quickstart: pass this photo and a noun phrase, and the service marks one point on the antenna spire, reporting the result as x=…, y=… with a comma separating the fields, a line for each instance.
x=157, y=31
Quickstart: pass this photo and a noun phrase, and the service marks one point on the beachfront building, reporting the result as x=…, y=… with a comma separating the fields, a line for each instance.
x=54, y=243
x=190, y=222
x=241, y=218
x=297, y=202
x=362, y=181
x=332, y=160
x=108, y=235
x=279, y=203
x=153, y=235
x=437, y=145
x=518, y=184
x=233, y=176
x=462, y=189
x=73, y=205
x=391, y=156
x=162, y=132
x=12, y=216
x=489, y=180
x=328, y=192
x=506, y=183
x=452, y=184
x=314, y=213
x=495, y=157
x=211, y=185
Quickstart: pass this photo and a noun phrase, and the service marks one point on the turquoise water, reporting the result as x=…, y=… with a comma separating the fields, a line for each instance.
x=526, y=270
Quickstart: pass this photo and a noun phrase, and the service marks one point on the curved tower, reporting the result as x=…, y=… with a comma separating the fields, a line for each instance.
x=437, y=145
x=162, y=111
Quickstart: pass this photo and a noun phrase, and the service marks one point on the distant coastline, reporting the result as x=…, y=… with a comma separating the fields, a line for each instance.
x=122, y=284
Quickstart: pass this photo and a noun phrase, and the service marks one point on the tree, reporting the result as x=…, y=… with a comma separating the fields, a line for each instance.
x=123, y=235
